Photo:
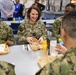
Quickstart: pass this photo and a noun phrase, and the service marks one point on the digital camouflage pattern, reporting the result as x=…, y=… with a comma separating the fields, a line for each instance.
x=27, y=30
x=56, y=27
x=6, y=33
x=64, y=66
x=6, y=68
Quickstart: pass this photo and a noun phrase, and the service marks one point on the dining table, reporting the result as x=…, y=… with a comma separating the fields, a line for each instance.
x=24, y=59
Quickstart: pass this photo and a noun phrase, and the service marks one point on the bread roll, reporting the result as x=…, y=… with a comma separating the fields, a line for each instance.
x=34, y=40
x=35, y=45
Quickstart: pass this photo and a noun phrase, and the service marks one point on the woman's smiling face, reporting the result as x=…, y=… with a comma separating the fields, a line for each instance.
x=33, y=15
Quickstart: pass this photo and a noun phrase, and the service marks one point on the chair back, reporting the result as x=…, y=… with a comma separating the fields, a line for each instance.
x=15, y=26
x=44, y=23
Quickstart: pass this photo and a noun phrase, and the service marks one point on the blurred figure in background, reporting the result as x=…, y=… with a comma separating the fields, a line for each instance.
x=57, y=24
x=18, y=10
x=33, y=27
x=7, y=9
x=39, y=5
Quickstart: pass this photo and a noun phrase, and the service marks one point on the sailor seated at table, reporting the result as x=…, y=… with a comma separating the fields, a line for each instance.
x=32, y=27
x=66, y=64
x=57, y=23
x=6, y=34
x=6, y=68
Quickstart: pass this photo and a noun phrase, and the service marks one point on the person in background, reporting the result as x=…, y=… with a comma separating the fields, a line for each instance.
x=24, y=11
x=33, y=27
x=39, y=5
x=6, y=34
x=6, y=68
x=67, y=64
x=0, y=13
x=7, y=9
x=57, y=24
x=18, y=10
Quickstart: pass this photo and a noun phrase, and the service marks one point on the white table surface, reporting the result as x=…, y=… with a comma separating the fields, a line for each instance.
x=25, y=61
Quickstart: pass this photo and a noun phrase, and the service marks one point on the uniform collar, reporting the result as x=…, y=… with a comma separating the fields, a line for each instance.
x=72, y=49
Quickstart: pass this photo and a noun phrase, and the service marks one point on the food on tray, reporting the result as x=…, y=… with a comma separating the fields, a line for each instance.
x=4, y=49
x=35, y=45
x=34, y=40
x=42, y=62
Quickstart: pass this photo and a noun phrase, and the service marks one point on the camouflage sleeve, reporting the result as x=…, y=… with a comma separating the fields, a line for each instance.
x=56, y=29
x=10, y=35
x=21, y=34
x=6, y=68
x=56, y=68
x=44, y=71
x=44, y=35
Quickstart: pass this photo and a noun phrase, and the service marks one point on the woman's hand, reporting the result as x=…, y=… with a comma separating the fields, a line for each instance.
x=61, y=48
x=41, y=40
x=29, y=39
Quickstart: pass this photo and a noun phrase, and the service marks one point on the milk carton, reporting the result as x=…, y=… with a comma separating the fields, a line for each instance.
x=53, y=43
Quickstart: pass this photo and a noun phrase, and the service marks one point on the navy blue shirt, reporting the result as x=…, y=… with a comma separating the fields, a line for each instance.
x=18, y=9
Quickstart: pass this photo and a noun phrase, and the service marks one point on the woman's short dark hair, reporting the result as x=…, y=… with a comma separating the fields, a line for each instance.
x=35, y=8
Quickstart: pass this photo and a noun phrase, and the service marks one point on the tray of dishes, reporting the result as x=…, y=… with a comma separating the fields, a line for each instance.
x=44, y=60
x=4, y=49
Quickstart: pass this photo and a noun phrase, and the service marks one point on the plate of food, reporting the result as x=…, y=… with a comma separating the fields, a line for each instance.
x=4, y=49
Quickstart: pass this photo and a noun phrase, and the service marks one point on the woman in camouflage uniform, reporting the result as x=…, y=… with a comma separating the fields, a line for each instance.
x=32, y=27
x=67, y=64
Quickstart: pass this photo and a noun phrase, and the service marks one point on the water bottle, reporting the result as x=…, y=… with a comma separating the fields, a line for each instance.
x=60, y=42
x=19, y=19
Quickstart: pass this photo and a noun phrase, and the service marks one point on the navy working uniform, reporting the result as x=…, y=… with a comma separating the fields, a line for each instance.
x=64, y=66
x=28, y=30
